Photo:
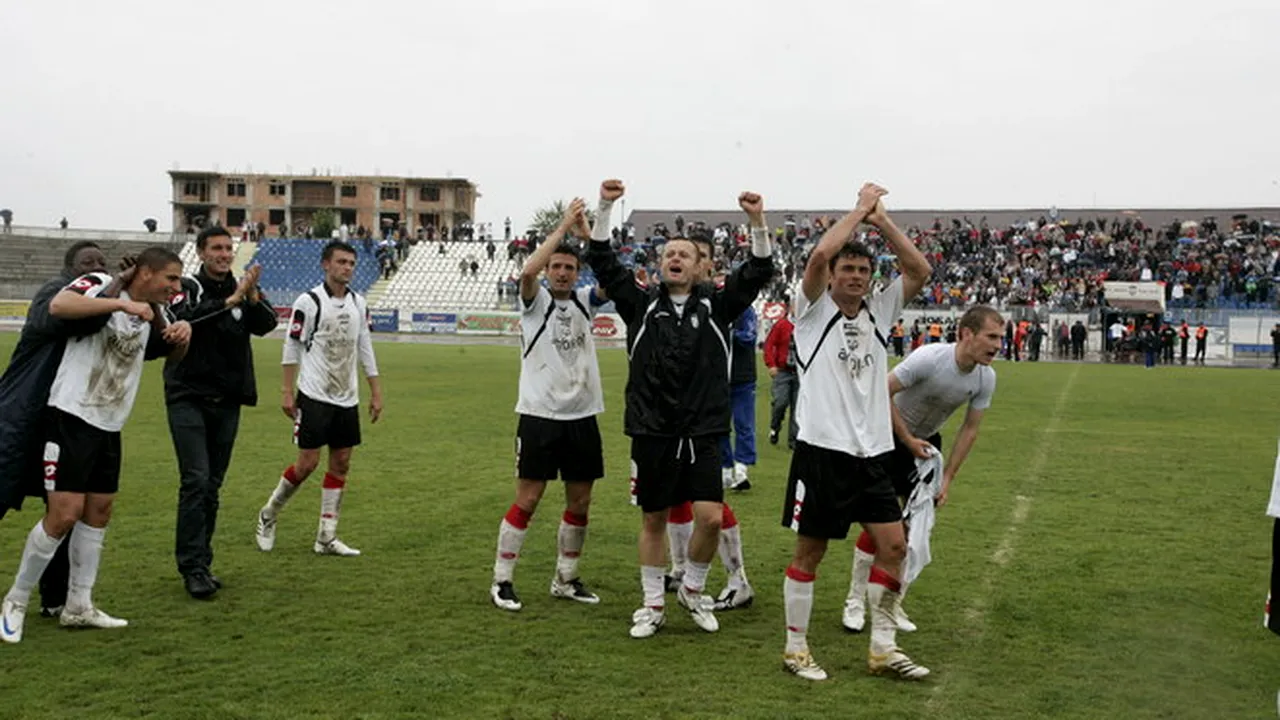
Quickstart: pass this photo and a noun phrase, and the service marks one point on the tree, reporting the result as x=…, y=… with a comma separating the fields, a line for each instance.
x=548, y=217
x=323, y=223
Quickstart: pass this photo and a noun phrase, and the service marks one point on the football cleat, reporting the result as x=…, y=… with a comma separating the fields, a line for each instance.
x=855, y=616
x=700, y=608
x=802, y=664
x=13, y=616
x=504, y=596
x=335, y=547
x=903, y=622
x=739, y=598
x=673, y=581
x=896, y=663
x=90, y=618
x=266, y=536
x=646, y=621
x=573, y=590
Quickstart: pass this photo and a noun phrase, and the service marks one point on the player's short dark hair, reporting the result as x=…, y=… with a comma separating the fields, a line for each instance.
x=69, y=259
x=977, y=316
x=334, y=246
x=851, y=249
x=568, y=248
x=157, y=258
x=700, y=240
x=212, y=231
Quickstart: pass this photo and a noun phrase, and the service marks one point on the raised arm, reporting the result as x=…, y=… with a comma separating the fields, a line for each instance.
x=537, y=262
x=743, y=285
x=915, y=267
x=817, y=271
x=618, y=282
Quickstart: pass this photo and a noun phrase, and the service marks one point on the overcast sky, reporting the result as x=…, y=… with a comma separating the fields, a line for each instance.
x=992, y=103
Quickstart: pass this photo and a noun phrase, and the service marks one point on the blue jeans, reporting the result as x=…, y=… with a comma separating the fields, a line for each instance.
x=1151, y=358
x=742, y=398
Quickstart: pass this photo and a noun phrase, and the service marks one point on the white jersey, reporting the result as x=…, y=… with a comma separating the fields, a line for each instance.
x=933, y=387
x=559, y=375
x=99, y=375
x=844, y=373
x=326, y=336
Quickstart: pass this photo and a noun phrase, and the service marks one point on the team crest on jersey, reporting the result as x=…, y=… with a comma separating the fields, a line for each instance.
x=177, y=298
x=237, y=313
x=295, y=326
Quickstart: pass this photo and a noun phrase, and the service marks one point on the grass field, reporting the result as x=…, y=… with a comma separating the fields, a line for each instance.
x=1104, y=555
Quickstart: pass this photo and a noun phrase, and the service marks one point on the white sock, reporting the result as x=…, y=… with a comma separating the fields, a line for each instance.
x=654, y=588
x=511, y=532
x=678, y=535
x=569, y=541
x=884, y=627
x=287, y=486
x=797, y=595
x=731, y=556
x=36, y=555
x=695, y=576
x=330, y=507
x=862, y=562
x=85, y=553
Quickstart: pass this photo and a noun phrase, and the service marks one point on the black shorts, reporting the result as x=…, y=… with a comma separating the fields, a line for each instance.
x=904, y=465
x=828, y=491
x=568, y=449
x=667, y=471
x=79, y=457
x=317, y=424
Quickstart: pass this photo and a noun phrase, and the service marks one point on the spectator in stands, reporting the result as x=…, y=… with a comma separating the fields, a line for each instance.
x=1275, y=346
x=475, y=267
x=7, y=216
x=490, y=249
x=506, y=230
x=63, y=222
x=463, y=266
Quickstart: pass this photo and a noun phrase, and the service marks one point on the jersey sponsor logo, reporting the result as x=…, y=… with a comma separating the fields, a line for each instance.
x=774, y=310
x=295, y=326
x=84, y=283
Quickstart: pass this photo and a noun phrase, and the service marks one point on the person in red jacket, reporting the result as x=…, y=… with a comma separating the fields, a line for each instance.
x=780, y=358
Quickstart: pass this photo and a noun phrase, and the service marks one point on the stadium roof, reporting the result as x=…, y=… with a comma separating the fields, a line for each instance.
x=642, y=220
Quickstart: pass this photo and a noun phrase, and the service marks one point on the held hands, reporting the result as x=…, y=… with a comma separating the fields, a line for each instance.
x=611, y=190
x=868, y=197
x=878, y=216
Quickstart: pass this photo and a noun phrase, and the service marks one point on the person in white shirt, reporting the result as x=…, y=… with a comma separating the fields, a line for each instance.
x=840, y=471
x=91, y=397
x=329, y=332
x=560, y=397
x=927, y=388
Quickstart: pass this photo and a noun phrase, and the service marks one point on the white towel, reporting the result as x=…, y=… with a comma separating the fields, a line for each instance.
x=919, y=514
x=1273, y=509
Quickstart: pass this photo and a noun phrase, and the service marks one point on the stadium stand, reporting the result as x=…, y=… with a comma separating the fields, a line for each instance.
x=429, y=280
x=28, y=262
x=291, y=266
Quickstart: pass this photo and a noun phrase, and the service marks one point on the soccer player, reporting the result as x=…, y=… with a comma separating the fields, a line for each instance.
x=329, y=332
x=560, y=396
x=204, y=392
x=926, y=389
x=840, y=471
x=24, y=395
x=91, y=397
x=677, y=395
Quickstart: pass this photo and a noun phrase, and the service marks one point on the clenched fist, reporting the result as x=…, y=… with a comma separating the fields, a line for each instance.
x=751, y=203
x=612, y=190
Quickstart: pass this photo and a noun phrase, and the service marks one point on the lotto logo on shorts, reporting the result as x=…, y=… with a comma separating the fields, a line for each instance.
x=51, y=454
x=517, y=456
x=634, y=500
x=297, y=424
x=797, y=506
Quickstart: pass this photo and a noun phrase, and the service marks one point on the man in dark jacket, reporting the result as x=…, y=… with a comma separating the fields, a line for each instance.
x=24, y=392
x=1079, y=333
x=204, y=392
x=677, y=395
x=738, y=455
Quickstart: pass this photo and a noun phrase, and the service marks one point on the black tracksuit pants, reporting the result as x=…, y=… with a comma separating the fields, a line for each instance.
x=203, y=436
